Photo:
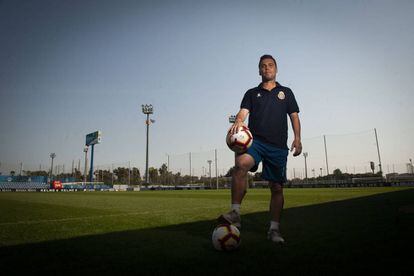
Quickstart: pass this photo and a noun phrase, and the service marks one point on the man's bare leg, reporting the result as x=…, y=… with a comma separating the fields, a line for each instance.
x=276, y=201
x=275, y=208
x=243, y=164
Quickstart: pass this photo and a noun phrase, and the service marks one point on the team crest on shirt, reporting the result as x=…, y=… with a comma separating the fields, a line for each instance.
x=281, y=95
x=259, y=95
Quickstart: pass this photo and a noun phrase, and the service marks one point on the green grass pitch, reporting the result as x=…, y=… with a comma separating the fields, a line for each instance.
x=327, y=231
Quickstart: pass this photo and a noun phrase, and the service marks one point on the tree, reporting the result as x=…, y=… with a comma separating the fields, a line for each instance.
x=37, y=173
x=78, y=175
x=104, y=176
x=164, y=173
x=135, y=176
x=121, y=175
x=163, y=169
x=337, y=172
x=153, y=174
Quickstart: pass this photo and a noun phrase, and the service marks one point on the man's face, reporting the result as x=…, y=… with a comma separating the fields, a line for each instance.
x=267, y=69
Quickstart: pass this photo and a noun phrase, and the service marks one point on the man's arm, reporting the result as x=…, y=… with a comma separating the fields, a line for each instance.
x=239, y=122
x=296, y=144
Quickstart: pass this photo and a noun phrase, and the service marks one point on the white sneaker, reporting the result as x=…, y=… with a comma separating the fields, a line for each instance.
x=231, y=217
x=274, y=236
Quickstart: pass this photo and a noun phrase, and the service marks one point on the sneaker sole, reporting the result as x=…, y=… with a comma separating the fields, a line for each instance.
x=222, y=220
x=276, y=242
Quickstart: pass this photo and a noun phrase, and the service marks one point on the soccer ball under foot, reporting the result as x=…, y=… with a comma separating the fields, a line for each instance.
x=226, y=237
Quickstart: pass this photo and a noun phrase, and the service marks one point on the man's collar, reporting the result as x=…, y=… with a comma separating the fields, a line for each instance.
x=261, y=85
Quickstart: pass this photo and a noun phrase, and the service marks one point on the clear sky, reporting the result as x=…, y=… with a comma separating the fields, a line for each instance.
x=68, y=68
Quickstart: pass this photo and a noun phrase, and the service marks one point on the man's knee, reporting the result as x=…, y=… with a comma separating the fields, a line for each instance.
x=276, y=188
x=244, y=163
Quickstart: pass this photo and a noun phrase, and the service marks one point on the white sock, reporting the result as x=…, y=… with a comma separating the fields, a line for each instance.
x=274, y=225
x=236, y=207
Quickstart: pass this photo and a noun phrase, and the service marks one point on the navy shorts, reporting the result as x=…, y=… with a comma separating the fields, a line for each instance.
x=274, y=160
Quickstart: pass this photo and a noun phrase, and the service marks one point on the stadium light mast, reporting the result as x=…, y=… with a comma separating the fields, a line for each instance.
x=147, y=110
x=326, y=156
x=305, y=154
x=168, y=169
x=209, y=169
x=379, y=156
x=191, y=177
x=91, y=140
x=52, y=156
x=85, y=172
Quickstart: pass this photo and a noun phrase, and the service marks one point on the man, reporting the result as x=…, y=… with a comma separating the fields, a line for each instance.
x=268, y=106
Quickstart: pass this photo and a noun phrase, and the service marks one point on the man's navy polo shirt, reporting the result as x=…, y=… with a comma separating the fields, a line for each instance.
x=268, y=112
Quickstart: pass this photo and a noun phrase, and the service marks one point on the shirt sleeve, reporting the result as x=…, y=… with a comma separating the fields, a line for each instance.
x=292, y=104
x=246, y=102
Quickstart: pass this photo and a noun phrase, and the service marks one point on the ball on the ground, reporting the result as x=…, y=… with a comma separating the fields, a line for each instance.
x=239, y=142
x=226, y=237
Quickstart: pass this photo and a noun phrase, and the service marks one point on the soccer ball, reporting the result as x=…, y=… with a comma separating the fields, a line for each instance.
x=240, y=141
x=226, y=237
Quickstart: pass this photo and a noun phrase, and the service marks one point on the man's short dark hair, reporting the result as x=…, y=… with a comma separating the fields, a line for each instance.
x=267, y=57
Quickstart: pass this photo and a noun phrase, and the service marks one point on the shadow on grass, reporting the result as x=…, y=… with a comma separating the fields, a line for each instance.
x=368, y=234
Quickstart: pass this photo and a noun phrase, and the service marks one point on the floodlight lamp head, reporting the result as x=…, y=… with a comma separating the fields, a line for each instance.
x=147, y=109
x=52, y=155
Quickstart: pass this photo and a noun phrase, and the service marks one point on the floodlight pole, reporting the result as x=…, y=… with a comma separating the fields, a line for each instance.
x=85, y=172
x=91, y=169
x=379, y=156
x=21, y=168
x=73, y=167
x=305, y=154
x=191, y=177
x=112, y=174
x=215, y=162
x=326, y=155
x=52, y=156
x=168, y=168
x=209, y=169
x=147, y=110
x=129, y=173
x=146, y=156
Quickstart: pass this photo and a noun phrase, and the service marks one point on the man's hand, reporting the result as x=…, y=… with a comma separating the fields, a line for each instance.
x=239, y=122
x=297, y=145
x=235, y=127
